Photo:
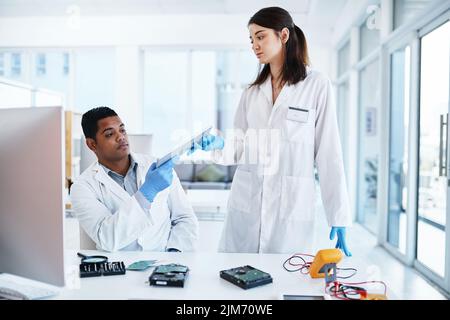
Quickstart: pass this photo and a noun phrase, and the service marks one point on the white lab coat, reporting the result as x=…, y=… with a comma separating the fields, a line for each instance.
x=114, y=219
x=272, y=210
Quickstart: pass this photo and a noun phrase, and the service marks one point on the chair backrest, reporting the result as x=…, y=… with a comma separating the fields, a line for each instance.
x=140, y=143
x=86, y=243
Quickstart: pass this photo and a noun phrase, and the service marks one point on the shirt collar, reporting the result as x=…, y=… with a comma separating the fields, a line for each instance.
x=133, y=166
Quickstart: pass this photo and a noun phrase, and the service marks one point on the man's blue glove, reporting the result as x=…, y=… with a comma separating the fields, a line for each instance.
x=340, y=244
x=157, y=179
x=209, y=142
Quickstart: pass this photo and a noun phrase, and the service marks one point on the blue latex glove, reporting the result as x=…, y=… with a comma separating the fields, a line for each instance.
x=157, y=179
x=340, y=244
x=209, y=142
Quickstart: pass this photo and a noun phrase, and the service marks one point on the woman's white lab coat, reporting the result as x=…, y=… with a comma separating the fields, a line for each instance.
x=271, y=203
x=114, y=219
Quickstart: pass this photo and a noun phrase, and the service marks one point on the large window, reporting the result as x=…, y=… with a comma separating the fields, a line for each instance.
x=66, y=64
x=433, y=163
x=369, y=131
x=398, y=147
x=94, y=78
x=16, y=65
x=90, y=84
x=185, y=91
x=166, y=97
x=48, y=74
x=236, y=70
x=40, y=64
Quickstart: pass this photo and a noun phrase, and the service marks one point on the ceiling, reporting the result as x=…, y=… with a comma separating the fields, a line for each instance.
x=317, y=17
x=313, y=8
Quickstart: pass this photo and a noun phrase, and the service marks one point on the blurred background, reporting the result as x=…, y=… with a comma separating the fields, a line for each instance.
x=170, y=68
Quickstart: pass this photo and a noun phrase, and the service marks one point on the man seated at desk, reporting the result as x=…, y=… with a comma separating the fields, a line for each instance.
x=122, y=201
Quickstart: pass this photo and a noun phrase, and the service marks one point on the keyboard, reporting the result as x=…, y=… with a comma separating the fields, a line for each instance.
x=18, y=291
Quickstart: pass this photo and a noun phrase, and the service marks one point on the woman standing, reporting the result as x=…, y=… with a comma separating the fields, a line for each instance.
x=290, y=110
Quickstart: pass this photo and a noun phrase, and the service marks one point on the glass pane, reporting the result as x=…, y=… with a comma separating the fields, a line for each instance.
x=432, y=193
x=368, y=146
x=51, y=78
x=16, y=65
x=40, y=64
x=398, y=148
x=369, y=40
x=95, y=78
x=66, y=61
x=13, y=65
x=235, y=71
x=406, y=10
x=344, y=59
x=166, y=98
x=204, y=104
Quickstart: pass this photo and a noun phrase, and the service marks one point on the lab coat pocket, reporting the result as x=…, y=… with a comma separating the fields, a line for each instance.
x=297, y=198
x=300, y=127
x=240, y=193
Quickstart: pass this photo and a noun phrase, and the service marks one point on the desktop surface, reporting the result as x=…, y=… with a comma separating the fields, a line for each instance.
x=203, y=281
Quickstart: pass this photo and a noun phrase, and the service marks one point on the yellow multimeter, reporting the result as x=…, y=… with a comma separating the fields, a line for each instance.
x=320, y=267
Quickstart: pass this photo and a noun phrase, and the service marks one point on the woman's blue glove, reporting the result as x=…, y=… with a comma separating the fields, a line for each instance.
x=209, y=142
x=340, y=244
x=157, y=179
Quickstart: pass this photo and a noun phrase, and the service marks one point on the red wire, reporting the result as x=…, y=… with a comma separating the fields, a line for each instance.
x=335, y=292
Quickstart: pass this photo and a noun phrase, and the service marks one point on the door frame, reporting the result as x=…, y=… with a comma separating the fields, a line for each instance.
x=413, y=39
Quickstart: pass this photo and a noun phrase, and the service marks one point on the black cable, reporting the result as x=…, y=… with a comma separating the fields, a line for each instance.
x=347, y=291
x=288, y=260
x=346, y=269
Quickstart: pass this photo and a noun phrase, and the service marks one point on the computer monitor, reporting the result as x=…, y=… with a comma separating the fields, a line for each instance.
x=32, y=193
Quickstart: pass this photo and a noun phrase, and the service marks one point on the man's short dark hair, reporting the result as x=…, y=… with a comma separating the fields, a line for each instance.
x=90, y=119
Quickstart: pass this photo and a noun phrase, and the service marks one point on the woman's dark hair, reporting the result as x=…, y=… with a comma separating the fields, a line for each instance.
x=90, y=119
x=294, y=67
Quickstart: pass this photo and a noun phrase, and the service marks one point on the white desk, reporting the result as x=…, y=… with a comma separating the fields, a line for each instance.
x=203, y=281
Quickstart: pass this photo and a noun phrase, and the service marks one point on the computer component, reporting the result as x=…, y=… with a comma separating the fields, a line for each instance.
x=102, y=268
x=141, y=265
x=306, y=296
x=246, y=277
x=32, y=193
x=169, y=275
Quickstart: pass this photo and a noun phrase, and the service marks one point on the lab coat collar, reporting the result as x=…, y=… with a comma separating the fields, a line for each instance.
x=101, y=176
x=266, y=88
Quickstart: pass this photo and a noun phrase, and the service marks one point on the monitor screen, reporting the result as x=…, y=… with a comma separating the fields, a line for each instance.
x=32, y=193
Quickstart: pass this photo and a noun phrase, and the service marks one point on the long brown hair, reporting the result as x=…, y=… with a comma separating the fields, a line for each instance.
x=296, y=60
